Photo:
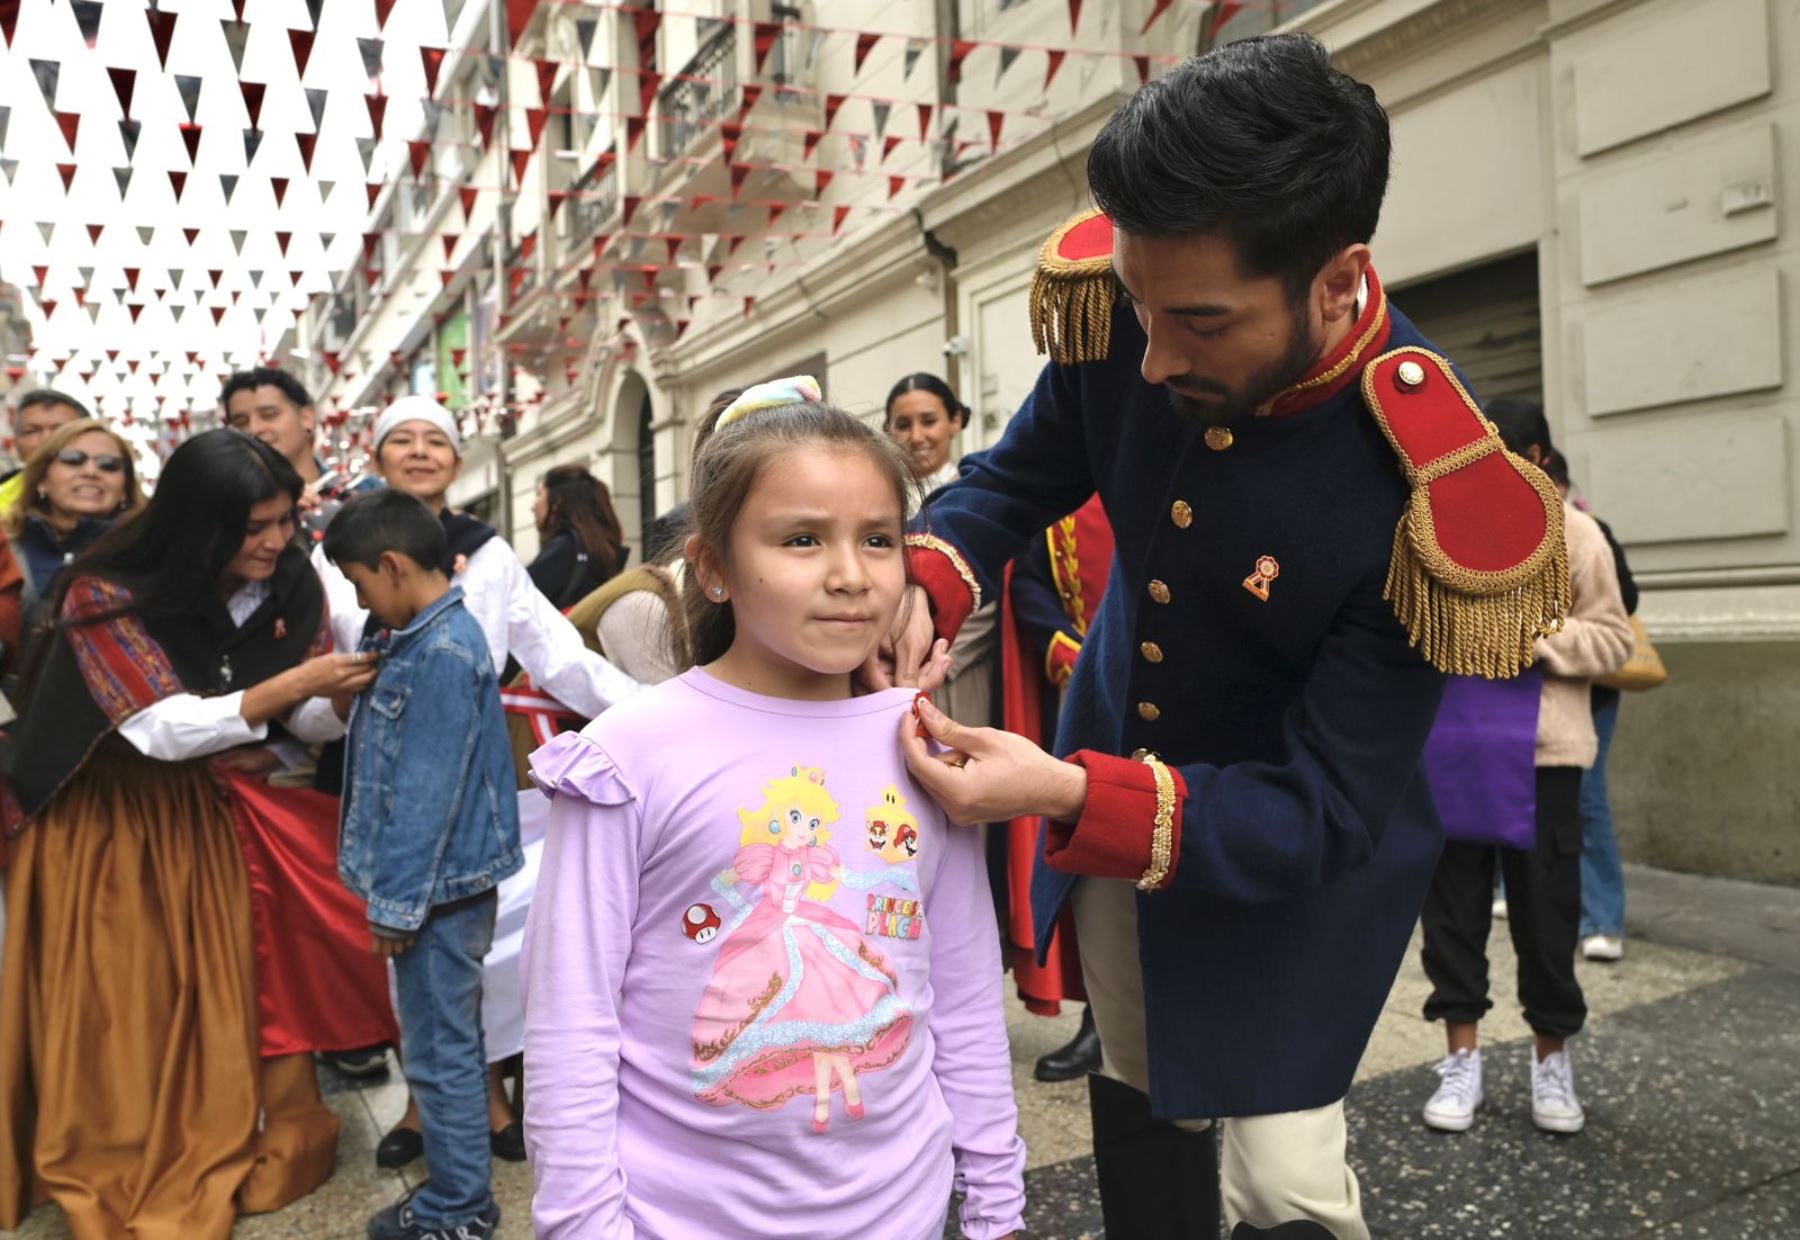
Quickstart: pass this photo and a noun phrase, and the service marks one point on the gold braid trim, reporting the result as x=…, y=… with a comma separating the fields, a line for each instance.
x=1065, y=569
x=1468, y=622
x=932, y=542
x=1072, y=301
x=1162, y=832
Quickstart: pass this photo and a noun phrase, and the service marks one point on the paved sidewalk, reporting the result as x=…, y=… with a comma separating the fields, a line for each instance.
x=1689, y=1070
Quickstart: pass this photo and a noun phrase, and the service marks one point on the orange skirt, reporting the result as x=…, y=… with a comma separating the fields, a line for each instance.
x=130, y=1088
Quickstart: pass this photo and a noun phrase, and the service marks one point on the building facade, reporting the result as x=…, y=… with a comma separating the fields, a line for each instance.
x=1587, y=206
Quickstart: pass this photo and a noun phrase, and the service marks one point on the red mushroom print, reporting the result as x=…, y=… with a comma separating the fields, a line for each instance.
x=700, y=923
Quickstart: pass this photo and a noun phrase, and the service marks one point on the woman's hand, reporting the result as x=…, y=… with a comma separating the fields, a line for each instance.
x=335, y=675
x=991, y=776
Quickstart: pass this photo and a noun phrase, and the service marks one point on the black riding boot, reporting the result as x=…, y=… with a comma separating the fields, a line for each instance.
x=1157, y=1181
x=1080, y=1056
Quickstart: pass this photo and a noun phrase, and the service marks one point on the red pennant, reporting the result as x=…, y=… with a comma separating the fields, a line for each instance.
x=1143, y=68
x=294, y=279
x=382, y=9
x=535, y=119
x=895, y=185
x=518, y=16
x=712, y=276
x=418, y=152
x=546, y=76
x=162, y=29
x=484, y=123
x=631, y=202
x=42, y=273
x=279, y=185
x=732, y=244
x=434, y=61
x=135, y=311
x=959, y=52
x=739, y=173
x=775, y=212
x=811, y=141
x=94, y=231
x=888, y=145
x=763, y=39
x=822, y=181
x=673, y=243
x=192, y=234
x=457, y=356
x=333, y=361
x=306, y=142
x=601, y=241
x=48, y=305
x=374, y=190
x=519, y=161
x=832, y=104
x=9, y=19
x=730, y=134
x=447, y=276
x=1057, y=56
x=112, y=355
x=378, y=112
x=302, y=43
x=124, y=83
x=370, y=241
x=218, y=312
x=681, y=326
x=1074, y=15
x=924, y=120
x=557, y=198
x=450, y=240
x=528, y=245
x=648, y=84
x=68, y=176
x=1157, y=9
x=190, y=136
x=281, y=240
x=865, y=43
x=752, y=92
x=178, y=182
x=468, y=193
x=70, y=124
x=253, y=101
x=132, y=363
x=634, y=132
x=996, y=122
x=215, y=274
x=749, y=305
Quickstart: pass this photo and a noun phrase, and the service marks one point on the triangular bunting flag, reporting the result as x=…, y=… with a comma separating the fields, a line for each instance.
x=47, y=73
x=520, y=159
x=252, y=141
x=887, y=147
x=253, y=101
x=811, y=140
x=382, y=9
x=365, y=147
x=306, y=142
x=279, y=185
x=832, y=104
x=123, y=177
x=865, y=43
x=418, y=152
x=1008, y=54
x=822, y=181
x=87, y=19
x=124, y=84
x=162, y=30
x=959, y=52
x=763, y=38
x=378, y=111
x=468, y=193
x=1157, y=9
x=178, y=182
x=1074, y=15
x=433, y=58
x=546, y=76
x=281, y=241
x=895, y=185
x=190, y=137
x=68, y=176
x=315, y=104
x=996, y=122
x=915, y=48
x=302, y=43
x=584, y=33
x=752, y=92
x=881, y=110
x=535, y=119
x=237, y=38
x=237, y=243
x=371, y=50
x=188, y=87
x=484, y=123
x=924, y=120
x=1056, y=57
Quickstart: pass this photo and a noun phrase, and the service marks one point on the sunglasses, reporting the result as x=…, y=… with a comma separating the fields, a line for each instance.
x=105, y=462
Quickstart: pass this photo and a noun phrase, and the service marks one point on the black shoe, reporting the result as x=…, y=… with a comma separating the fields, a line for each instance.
x=1078, y=1058
x=399, y=1147
x=509, y=1142
x=1299, y=1229
x=368, y=1062
x=397, y=1222
x=1155, y=1179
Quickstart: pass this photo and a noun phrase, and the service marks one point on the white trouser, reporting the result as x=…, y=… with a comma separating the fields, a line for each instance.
x=1274, y=1168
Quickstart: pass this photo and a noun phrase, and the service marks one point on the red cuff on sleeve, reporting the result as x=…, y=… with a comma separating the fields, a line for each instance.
x=1113, y=838
x=1059, y=660
x=947, y=580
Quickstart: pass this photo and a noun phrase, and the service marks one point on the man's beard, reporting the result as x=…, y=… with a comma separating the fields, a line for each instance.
x=1211, y=403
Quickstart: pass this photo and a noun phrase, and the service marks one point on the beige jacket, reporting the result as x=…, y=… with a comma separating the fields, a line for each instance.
x=1595, y=640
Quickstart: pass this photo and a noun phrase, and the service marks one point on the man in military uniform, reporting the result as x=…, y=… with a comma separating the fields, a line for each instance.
x=1314, y=523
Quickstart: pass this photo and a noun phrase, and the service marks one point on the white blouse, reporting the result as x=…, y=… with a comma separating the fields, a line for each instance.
x=187, y=725
x=517, y=621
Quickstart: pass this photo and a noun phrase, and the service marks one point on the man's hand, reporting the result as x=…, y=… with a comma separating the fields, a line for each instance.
x=309, y=500
x=387, y=946
x=990, y=776
x=912, y=655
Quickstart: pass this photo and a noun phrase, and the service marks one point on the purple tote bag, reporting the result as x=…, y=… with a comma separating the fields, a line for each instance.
x=1481, y=759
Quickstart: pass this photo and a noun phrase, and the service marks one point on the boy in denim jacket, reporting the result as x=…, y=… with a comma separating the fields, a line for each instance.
x=430, y=826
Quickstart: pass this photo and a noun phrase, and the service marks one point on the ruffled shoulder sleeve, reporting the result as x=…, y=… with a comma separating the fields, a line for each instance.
x=571, y=765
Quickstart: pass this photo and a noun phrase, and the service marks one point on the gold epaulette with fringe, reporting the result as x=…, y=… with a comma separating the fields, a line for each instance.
x=1073, y=293
x=1480, y=568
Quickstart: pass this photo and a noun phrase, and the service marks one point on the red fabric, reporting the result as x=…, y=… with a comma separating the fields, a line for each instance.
x=12, y=590
x=1368, y=336
x=951, y=601
x=318, y=986
x=1113, y=838
x=548, y=717
x=1486, y=516
x=1059, y=662
x=125, y=668
x=1092, y=238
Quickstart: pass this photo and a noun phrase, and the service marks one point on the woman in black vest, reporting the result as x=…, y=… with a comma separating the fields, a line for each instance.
x=583, y=543
x=133, y=1021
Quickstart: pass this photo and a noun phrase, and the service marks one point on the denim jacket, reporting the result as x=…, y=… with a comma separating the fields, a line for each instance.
x=430, y=810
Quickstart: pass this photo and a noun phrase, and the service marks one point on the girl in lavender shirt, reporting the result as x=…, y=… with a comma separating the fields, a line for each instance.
x=762, y=982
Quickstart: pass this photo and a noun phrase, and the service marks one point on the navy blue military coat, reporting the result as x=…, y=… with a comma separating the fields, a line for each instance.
x=1307, y=834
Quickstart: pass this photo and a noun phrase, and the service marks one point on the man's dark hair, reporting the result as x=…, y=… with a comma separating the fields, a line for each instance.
x=265, y=376
x=386, y=520
x=50, y=396
x=1261, y=142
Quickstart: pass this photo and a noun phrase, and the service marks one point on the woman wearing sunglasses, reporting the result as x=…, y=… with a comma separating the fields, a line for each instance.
x=75, y=486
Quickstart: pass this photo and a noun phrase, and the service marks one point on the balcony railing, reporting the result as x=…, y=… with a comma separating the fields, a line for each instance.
x=592, y=200
x=703, y=93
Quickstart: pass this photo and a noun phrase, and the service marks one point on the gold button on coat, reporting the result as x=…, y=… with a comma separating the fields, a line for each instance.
x=1159, y=590
x=1219, y=438
x=1181, y=514
x=1148, y=712
x=1151, y=651
x=1410, y=374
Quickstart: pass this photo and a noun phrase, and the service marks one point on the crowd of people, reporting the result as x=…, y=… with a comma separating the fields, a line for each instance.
x=723, y=853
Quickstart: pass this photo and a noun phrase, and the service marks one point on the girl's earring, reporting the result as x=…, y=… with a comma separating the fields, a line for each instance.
x=718, y=591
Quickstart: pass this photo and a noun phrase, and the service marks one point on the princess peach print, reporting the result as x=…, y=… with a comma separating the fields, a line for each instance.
x=799, y=1002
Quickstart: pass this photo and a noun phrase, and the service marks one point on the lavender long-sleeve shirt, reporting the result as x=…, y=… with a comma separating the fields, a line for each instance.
x=762, y=981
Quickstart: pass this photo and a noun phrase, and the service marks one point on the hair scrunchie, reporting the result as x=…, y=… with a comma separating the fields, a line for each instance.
x=794, y=390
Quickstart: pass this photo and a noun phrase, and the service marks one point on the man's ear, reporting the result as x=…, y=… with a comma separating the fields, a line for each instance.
x=309, y=418
x=1340, y=280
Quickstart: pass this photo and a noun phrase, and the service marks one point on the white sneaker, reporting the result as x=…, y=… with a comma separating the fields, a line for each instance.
x=1452, y=1108
x=1499, y=908
x=1554, y=1106
x=1607, y=947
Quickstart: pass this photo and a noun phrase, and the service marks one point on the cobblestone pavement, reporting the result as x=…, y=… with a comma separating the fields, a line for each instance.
x=1689, y=1070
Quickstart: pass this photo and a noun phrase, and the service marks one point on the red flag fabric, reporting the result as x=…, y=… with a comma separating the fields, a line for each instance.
x=302, y=43
x=1157, y=9
x=865, y=43
x=1056, y=57
x=162, y=29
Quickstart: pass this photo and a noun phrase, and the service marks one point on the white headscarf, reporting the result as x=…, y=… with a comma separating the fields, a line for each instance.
x=417, y=409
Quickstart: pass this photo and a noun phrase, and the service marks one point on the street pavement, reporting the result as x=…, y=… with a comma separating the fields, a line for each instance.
x=1689, y=1070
